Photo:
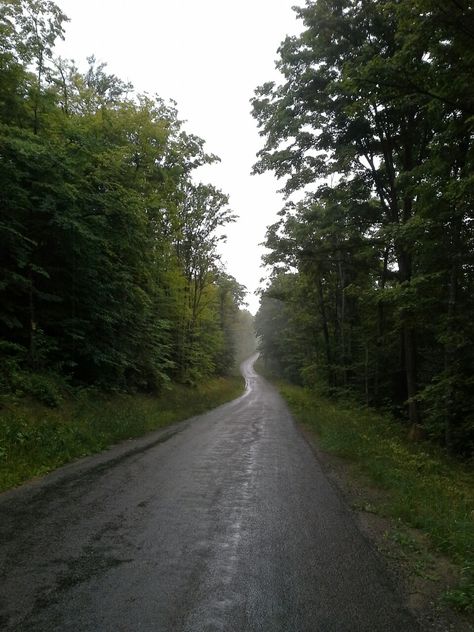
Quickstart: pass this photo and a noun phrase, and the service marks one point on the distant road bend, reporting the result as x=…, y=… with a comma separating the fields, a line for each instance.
x=222, y=523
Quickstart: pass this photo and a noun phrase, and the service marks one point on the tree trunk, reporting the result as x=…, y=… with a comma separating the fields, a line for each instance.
x=410, y=372
x=32, y=318
x=366, y=373
x=380, y=326
x=450, y=355
x=342, y=313
x=409, y=345
x=325, y=328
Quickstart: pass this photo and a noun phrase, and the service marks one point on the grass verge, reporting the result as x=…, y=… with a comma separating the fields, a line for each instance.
x=35, y=440
x=423, y=488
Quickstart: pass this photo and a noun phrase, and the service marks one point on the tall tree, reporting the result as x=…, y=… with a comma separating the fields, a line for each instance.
x=364, y=104
x=108, y=248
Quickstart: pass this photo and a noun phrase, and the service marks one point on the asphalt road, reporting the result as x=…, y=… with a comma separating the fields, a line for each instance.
x=222, y=523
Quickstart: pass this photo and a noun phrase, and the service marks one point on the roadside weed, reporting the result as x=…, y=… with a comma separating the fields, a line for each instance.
x=35, y=439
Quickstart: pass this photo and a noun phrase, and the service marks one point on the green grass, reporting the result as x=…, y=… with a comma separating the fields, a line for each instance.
x=35, y=439
x=424, y=488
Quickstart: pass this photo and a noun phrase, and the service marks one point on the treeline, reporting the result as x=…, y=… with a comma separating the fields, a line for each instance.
x=108, y=247
x=372, y=290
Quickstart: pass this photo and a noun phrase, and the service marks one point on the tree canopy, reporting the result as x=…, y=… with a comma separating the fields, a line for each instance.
x=373, y=264
x=110, y=272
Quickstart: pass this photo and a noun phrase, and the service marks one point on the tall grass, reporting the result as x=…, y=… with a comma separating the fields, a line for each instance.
x=35, y=439
x=425, y=489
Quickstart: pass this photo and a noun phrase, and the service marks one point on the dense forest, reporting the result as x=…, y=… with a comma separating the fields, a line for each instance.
x=110, y=273
x=372, y=289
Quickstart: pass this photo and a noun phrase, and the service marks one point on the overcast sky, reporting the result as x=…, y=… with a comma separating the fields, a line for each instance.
x=208, y=55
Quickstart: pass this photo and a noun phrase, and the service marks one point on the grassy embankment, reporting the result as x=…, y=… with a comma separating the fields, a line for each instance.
x=35, y=439
x=423, y=488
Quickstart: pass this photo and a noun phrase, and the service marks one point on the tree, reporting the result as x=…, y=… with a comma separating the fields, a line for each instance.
x=109, y=266
x=364, y=104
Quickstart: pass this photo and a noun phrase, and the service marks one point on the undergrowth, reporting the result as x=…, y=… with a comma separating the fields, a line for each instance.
x=425, y=488
x=35, y=438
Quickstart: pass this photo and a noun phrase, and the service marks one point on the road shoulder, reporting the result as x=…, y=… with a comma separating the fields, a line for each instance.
x=421, y=576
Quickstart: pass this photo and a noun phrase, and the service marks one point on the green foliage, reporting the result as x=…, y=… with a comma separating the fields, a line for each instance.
x=109, y=272
x=40, y=387
x=373, y=267
x=11, y=357
x=462, y=597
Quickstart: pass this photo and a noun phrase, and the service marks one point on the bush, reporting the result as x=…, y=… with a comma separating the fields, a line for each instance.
x=11, y=358
x=42, y=388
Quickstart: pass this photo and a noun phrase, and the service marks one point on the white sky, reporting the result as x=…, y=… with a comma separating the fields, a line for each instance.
x=208, y=55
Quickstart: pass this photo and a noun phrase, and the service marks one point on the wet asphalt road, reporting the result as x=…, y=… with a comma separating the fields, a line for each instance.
x=222, y=523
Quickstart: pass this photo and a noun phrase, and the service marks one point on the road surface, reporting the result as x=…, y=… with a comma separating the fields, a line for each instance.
x=222, y=523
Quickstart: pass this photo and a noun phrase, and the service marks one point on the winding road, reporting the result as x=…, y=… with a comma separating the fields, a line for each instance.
x=224, y=522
